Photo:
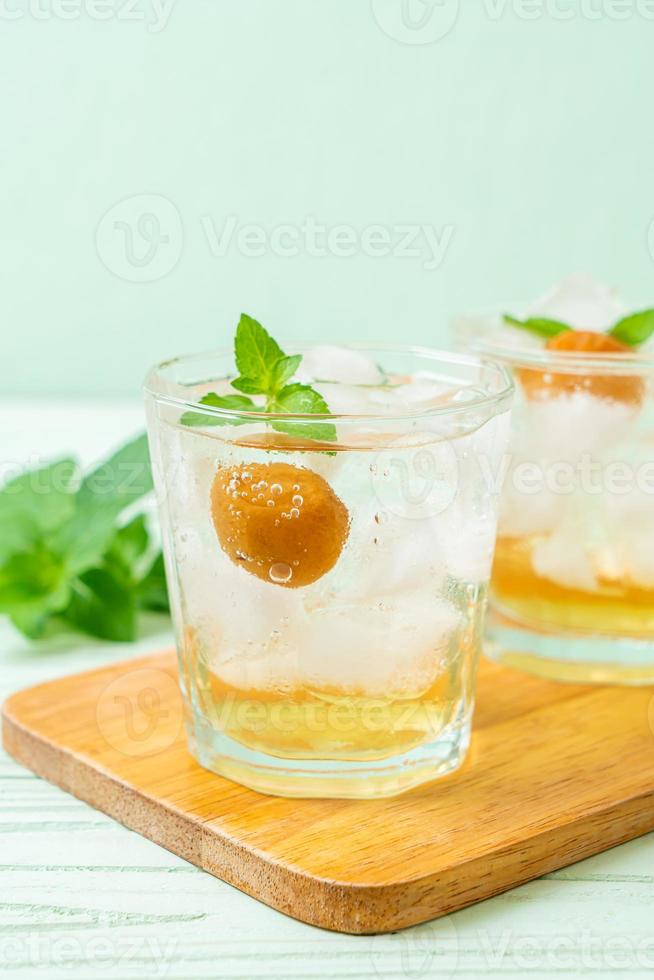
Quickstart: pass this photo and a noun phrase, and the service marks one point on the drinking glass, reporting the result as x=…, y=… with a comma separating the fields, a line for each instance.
x=572, y=589
x=328, y=594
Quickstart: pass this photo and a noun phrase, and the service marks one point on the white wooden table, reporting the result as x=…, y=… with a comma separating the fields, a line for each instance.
x=81, y=897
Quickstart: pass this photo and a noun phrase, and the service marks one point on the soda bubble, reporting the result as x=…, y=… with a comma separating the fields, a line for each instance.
x=280, y=573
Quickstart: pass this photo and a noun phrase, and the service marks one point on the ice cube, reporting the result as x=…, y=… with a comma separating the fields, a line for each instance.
x=524, y=515
x=562, y=558
x=396, y=646
x=341, y=364
x=467, y=548
x=465, y=529
x=252, y=632
x=581, y=302
x=630, y=519
x=346, y=399
x=566, y=427
x=386, y=554
x=385, y=400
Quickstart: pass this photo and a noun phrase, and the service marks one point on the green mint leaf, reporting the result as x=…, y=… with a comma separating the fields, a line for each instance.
x=248, y=385
x=121, y=480
x=63, y=556
x=301, y=399
x=542, y=326
x=152, y=591
x=265, y=370
x=284, y=369
x=635, y=329
x=35, y=504
x=32, y=617
x=128, y=552
x=256, y=352
x=108, y=490
x=232, y=403
x=33, y=588
x=103, y=605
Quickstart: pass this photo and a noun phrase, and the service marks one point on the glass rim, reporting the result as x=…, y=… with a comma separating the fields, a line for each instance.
x=566, y=362
x=494, y=398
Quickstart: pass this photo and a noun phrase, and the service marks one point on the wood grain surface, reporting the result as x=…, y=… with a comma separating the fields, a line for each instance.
x=556, y=773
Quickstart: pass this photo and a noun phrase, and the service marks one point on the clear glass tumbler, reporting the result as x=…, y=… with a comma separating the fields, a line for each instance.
x=328, y=596
x=572, y=588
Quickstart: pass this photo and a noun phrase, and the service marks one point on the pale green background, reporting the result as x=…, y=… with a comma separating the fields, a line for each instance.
x=531, y=138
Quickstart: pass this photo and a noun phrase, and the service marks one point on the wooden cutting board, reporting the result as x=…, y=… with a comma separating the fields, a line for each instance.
x=556, y=773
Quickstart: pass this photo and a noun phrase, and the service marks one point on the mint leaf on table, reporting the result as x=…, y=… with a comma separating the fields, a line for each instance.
x=152, y=592
x=265, y=370
x=33, y=587
x=128, y=550
x=635, y=329
x=103, y=605
x=542, y=326
x=35, y=503
x=123, y=478
x=71, y=550
x=118, y=483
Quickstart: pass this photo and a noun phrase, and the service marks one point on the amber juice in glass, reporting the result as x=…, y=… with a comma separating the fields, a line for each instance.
x=328, y=597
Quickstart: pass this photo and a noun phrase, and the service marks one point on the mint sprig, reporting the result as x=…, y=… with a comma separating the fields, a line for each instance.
x=264, y=369
x=635, y=329
x=71, y=552
x=632, y=330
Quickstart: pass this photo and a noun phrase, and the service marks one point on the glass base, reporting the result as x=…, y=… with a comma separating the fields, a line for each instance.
x=325, y=778
x=578, y=658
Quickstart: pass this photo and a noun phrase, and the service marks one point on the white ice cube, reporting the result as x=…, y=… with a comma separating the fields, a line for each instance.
x=524, y=515
x=630, y=523
x=566, y=427
x=252, y=630
x=386, y=554
x=563, y=559
x=396, y=646
x=581, y=302
x=346, y=399
x=331, y=363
